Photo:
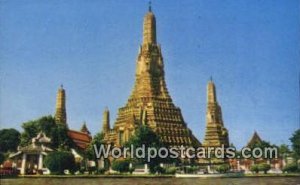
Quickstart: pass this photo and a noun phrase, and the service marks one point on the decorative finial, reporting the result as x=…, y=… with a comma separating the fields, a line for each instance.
x=211, y=79
x=149, y=8
x=61, y=86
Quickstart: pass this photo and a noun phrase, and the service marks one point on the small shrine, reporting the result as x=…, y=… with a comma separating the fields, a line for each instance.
x=29, y=159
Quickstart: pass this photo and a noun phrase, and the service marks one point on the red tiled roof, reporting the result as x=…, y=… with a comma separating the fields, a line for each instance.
x=7, y=164
x=81, y=139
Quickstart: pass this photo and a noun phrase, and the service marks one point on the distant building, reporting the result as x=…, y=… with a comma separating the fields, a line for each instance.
x=241, y=164
x=254, y=139
x=30, y=159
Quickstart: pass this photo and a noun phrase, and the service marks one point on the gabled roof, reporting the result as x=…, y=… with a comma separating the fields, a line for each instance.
x=81, y=139
x=35, y=148
x=31, y=149
x=41, y=138
x=255, y=139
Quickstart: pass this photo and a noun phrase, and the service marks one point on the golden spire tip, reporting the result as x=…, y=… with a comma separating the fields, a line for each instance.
x=149, y=6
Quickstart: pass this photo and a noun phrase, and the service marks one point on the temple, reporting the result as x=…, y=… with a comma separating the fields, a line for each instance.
x=81, y=138
x=149, y=103
x=245, y=164
x=216, y=134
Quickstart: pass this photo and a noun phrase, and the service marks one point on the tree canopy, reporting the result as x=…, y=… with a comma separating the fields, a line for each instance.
x=9, y=140
x=97, y=140
x=263, y=145
x=59, y=161
x=295, y=139
x=145, y=136
x=47, y=124
x=120, y=165
x=284, y=150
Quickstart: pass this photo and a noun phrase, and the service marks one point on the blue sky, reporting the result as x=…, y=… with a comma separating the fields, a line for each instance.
x=250, y=47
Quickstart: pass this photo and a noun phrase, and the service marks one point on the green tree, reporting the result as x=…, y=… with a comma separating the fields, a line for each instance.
x=57, y=132
x=289, y=168
x=254, y=168
x=263, y=145
x=295, y=139
x=46, y=124
x=145, y=136
x=120, y=165
x=264, y=167
x=2, y=158
x=284, y=150
x=90, y=152
x=59, y=161
x=32, y=128
x=30, y=131
x=9, y=140
x=60, y=139
x=223, y=168
x=97, y=140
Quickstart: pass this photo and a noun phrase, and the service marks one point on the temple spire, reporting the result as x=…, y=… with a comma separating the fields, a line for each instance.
x=216, y=134
x=211, y=92
x=60, y=113
x=149, y=32
x=84, y=128
x=149, y=7
x=150, y=103
x=105, y=124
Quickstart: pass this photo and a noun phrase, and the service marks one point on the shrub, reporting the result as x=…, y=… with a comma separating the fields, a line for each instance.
x=81, y=170
x=171, y=170
x=120, y=165
x=264, y=167
x=101, y=171
x=2, y=158
x=223, y=168
x=159, y=170
x=91, y=169
x=57, y=162
x=131, y=170
x=254, y=168
x=293, y=167
x=191, y=169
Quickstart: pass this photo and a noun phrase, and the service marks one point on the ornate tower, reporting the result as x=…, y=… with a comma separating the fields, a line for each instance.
x=150, y=103
x=216, y=134
x=60, y=114
x=105, y=121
